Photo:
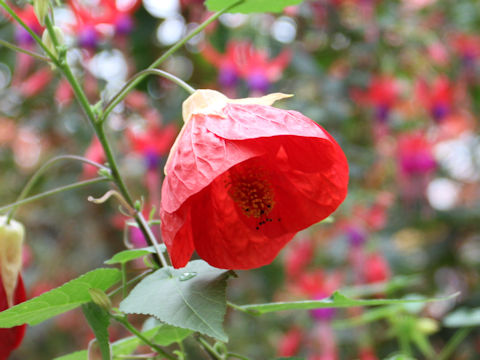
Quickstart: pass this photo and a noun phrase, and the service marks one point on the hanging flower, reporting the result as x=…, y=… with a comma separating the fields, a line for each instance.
x=243, y=177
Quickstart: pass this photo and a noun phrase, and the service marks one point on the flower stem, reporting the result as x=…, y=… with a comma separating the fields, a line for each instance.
x=141, y=74
x=137, y=79
x=28, y=187
x=25, y=51
x=453, y=343
x=53, y=192
x=123, y=320
x=29, y=30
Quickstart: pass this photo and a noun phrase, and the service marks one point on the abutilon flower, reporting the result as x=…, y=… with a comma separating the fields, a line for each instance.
x=12, y=290
x=243, y=178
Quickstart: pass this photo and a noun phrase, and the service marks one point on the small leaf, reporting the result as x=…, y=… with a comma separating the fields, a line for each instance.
x=62, y=299
x=337, y=300
x=168, y=334
x=128, y=255
x=99, y=320
x=463, y=318
x=251, y=6
x=190, y=302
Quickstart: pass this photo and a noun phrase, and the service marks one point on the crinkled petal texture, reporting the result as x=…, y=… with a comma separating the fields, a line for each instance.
x=241, y=185
x=11, y=338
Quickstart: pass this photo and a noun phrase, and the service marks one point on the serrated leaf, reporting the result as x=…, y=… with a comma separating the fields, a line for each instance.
x=251, y=6
x=62, y=299
x=337, y=300
x=128, y=255
x=191, y=298
x=99, y=320
x=463, y=318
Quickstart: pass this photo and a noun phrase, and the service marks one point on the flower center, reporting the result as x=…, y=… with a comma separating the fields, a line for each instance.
x=252, y=192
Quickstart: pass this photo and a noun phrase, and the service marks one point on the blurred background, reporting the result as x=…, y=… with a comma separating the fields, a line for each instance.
x=396, y=82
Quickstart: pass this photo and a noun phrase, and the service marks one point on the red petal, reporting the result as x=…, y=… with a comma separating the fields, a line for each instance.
x=11, y=338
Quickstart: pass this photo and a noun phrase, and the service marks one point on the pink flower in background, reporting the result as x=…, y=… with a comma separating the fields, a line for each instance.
x=382, y=94
x=153, y=143
x=415, y=155
x=242, y=60
x=437, y=97
x=27, y=15
x=376, y=269
x=467, y=47
x=289, y=344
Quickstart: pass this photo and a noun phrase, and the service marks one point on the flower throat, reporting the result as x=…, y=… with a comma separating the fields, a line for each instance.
x=252, y=192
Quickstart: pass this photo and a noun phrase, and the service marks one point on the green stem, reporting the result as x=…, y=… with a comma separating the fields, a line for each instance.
x=28, y=187
x=25, y=51
x=30, y=31
x=238, y=307
x=209, y=348
x=144, y=73
x=453, y=343
x=133, y=330
x=124, y=91
x=54, y=191
x=124, y=280
x=146, y=229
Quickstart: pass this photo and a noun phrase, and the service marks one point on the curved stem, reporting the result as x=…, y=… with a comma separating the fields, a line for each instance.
x=25, y=51
x=54, y=191
x=41, y=170
x=453, y=343
x=30, y=31
x=124, y=91
x=142, y=74
x=123, y=320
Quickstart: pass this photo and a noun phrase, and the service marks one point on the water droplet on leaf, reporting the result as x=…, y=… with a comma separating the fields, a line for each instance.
x=187, y=276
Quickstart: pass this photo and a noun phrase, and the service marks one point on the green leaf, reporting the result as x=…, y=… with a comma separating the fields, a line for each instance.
x=57, y=301
x=99, y=320
x=191, y=298
x=77, y=355
x=251, y=6
x=128, y=255
x=337, y=300
x=463, y=318
x=168, y=334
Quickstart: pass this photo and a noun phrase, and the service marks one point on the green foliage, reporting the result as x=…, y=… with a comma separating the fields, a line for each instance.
x=463, y=318
x=162, y=335
x=57, y=301
x=128, y=255
x=99, y=320
x=251, y=6
x=191, y=298
x=337, y=300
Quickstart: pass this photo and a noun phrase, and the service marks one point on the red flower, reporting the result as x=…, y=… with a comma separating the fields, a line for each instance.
x=415, y=155
x=11, y=338
x=243, y=177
